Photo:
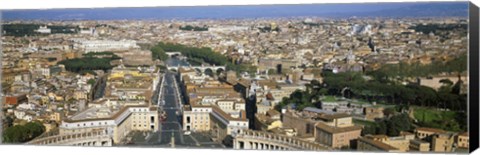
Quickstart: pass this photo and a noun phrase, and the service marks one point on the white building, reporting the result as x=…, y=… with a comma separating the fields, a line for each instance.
x=44, y=29
x=117, y=118
x=228, y=28
x=105, y=45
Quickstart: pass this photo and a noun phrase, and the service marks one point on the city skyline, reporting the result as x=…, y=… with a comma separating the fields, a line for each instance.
x=375, y=77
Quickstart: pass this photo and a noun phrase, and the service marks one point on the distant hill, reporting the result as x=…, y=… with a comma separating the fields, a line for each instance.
x=421, y=9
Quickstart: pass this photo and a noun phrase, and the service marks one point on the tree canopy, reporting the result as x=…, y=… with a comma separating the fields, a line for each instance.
x=23, y=133
x=198, y=56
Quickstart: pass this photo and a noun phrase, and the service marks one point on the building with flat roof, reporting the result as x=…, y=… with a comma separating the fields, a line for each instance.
x=370, y=145
x=268, y=121
x=105, y=45
x=213, y=120
x=423, y=132
x=417, y=145
x=131, y=83
x=115, y=117
x=462, y=140
x=336, y=136
x=443, y=142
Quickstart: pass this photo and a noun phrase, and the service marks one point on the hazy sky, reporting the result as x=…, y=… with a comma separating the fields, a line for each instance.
x=252, y=11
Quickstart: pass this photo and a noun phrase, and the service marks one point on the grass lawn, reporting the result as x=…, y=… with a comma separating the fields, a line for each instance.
x=329, y=99
x=364, y=122
x=446, y=120
x=431, y=114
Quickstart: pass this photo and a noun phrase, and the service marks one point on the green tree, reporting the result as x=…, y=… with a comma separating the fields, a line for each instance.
x=369, y=130
x=91, y=82
x=23, y=133
x=381, y=128
x=397, y=123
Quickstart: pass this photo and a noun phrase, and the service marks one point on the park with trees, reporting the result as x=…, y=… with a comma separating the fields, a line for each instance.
x=443, y=108
x=198, y=56
x=21, y=29
x=193, y=28
x=23, y=133
x=90, y=62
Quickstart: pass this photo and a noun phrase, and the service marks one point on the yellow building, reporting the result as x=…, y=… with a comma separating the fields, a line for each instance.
x=462, y=140
x=402, y=143
x=197, y=118
x=419, y=146
x=266, y=122
x=443, y=142
x=423, y=132
x=56, y=116
x=336, y=137
x=365, y=144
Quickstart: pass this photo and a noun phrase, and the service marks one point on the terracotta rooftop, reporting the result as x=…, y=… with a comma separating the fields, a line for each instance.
x=430, y=130
x=464, y=134
x=377, y=144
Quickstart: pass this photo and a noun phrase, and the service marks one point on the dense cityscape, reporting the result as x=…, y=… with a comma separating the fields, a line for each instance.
x=292, y=83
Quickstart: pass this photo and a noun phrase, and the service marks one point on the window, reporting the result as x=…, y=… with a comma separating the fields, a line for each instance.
x=307, y=128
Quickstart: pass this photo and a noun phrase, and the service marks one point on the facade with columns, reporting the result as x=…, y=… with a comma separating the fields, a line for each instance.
x=259, y=140
x=93, y=138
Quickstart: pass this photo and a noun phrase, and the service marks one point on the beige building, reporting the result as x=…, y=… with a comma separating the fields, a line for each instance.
x=371, y=113
x=370, y=145
x=56, y=116
x=335, y=129
x=136, y=57
x=132, y=84
x=402, y=142
x=443, y=142
x=196, y=118
x=419, y=146
x=80, y=94
x=462, y=140
x=423, y=132
x=213, y=120
x=116, y=118
x=268, y=121
x=304, y=125
x=335, y=136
